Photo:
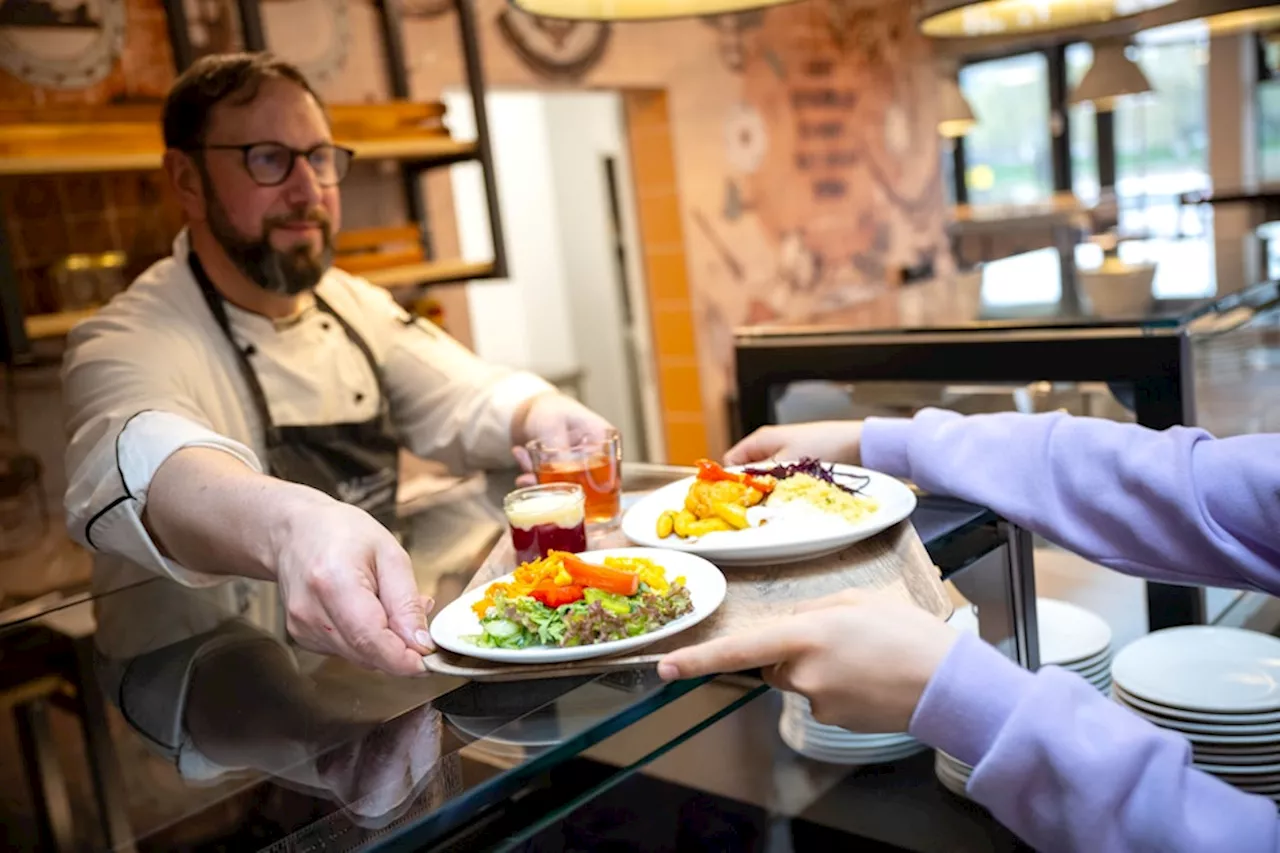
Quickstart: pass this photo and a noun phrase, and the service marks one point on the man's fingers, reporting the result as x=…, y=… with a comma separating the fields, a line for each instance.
x=773, y=644
x=522, y=458
x=398, y=592
x=361, y=620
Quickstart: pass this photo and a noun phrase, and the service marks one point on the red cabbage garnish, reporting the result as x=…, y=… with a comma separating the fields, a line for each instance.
x=814, y=468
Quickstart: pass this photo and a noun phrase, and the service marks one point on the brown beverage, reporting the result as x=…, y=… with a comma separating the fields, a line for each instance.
x=544, y=519
x=594, y=466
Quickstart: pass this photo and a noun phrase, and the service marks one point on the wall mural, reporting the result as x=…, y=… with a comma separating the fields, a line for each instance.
x=830, y=158
x=61, y=44
x=213, y=26
x=551, y=48
x=321, y=34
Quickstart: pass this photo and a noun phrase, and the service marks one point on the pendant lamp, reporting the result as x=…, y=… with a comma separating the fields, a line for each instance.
x=972, y=18
x=955, y=116
x=637, y=10
x=1111, y=76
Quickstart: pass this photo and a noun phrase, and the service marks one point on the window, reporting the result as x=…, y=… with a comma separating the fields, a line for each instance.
x=1084, y=129
x=1268, y=113
x=1162, y=139
x=1007, y=153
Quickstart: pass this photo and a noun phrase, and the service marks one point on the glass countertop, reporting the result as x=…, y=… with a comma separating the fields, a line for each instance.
x=205, y=728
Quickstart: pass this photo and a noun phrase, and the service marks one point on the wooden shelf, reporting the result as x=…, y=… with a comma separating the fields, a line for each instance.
x=121, y=139
x=426, y=149
x=45, y=326
x=430, y=272
x=41, y=326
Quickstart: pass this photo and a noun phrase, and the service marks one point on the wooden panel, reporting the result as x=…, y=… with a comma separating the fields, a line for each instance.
x=367, y=262
x=686, y=437
x=673, y=333
x=681, y=391
x=373, y=238
x=667, y=274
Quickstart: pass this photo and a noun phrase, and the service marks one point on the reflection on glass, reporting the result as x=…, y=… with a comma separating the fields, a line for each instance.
x=1007, y=152
x=1268, y=114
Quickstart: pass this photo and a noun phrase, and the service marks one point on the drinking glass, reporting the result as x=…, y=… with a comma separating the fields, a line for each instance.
x=595, y=466
x=546, y=518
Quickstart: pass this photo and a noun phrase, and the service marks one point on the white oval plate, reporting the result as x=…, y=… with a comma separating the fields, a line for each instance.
x=1178, y=715
x=781, y=541
x=1070, y=636
x=1203, y=668
x=706, y=589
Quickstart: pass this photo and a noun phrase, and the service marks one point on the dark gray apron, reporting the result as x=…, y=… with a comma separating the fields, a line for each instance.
x=355, y=462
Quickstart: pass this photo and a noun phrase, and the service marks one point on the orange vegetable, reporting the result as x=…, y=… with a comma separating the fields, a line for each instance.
x=710, y=471
x=553, y=596
x=603, y=578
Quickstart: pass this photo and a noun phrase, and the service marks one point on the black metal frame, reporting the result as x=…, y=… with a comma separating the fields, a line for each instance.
x=1157, y=363
x=1059, y=142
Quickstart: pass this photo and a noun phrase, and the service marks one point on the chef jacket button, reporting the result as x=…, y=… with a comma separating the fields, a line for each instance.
x=250, y=351
x=359, y=397
x=325, y=325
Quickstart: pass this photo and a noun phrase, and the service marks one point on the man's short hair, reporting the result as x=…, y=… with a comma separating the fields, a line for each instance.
x=211, y=80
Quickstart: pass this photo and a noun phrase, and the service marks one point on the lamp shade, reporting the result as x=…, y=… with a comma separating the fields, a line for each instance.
x=637, y=10
x=1111, y=76
x=974, y=18
x=955, y=116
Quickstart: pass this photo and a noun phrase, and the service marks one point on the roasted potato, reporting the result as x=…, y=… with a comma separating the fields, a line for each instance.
x=681, y=523
x=666, y=524
x=702, y=527
x=735, y=515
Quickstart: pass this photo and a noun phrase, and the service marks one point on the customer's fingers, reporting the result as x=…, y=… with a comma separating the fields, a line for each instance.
x=843, y=598
x=761, y=444
x=774, y=644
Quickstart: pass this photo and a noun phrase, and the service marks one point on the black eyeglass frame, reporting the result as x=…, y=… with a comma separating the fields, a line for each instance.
x=295, y=153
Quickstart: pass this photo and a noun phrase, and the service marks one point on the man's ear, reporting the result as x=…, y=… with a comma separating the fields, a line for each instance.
x=186, y=182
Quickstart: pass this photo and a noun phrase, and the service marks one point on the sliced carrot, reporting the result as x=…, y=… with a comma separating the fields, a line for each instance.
x=602, y=578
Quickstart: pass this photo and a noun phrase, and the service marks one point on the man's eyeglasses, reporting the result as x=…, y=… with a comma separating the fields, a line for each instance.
x=271, y=163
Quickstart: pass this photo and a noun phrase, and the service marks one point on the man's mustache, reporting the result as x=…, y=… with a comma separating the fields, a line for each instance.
x=318, y=216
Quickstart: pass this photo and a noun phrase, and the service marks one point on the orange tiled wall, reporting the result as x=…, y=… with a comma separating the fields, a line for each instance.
x=670, y=305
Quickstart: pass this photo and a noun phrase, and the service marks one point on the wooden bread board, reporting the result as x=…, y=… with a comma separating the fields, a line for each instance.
x=894, y=562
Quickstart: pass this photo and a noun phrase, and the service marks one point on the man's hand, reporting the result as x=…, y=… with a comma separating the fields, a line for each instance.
x=347, y=585
x=555, y=420
x=862, y=659
x=830, y=441
x=349, y=589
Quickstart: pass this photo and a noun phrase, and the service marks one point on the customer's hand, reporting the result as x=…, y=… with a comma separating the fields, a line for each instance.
x=557, y=421
x=862, y=659
x=830, y=441
x=349, y=588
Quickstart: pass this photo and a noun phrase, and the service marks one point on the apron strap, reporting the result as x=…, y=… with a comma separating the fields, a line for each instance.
x=217, y=306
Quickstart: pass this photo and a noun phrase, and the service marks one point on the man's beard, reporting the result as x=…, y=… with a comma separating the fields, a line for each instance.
x=288, y=272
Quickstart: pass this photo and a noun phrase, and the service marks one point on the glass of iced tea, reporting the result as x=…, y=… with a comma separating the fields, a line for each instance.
x=546, y=518
x=594, y=465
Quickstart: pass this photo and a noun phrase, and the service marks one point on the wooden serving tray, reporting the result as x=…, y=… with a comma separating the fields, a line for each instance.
x=894, y=562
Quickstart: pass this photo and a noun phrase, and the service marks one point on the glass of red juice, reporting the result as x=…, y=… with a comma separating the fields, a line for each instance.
x=550, y=517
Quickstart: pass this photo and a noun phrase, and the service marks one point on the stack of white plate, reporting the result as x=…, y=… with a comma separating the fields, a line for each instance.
x=1219, y=688
x=835, y=745
x=1070, y=637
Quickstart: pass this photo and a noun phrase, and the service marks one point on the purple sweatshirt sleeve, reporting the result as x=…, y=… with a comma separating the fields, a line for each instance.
x=1177, y=505
x=1068, y=770
x=1054, y=760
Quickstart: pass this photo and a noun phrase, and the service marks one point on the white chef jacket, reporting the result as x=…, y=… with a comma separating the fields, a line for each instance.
x=152, y=373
